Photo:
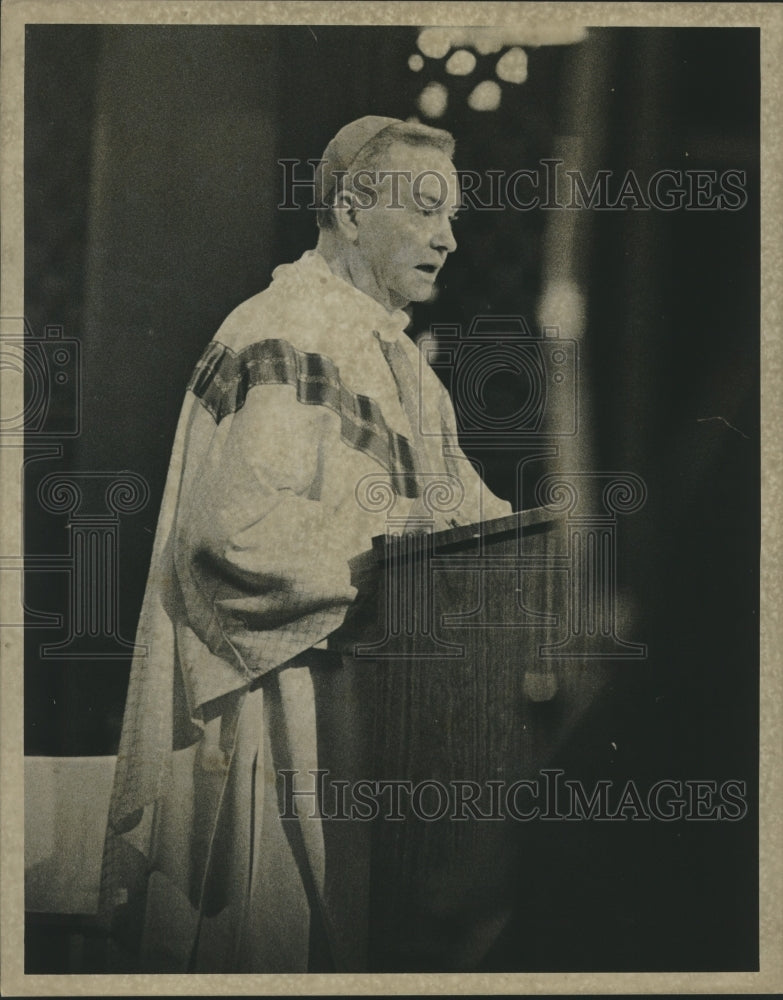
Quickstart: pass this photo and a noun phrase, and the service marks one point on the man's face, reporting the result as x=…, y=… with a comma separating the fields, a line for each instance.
x=404, y=233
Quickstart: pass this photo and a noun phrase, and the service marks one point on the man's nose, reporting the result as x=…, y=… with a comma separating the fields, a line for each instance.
x=443, y=240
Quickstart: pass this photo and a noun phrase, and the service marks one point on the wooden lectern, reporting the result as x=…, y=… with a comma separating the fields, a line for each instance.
x=452, y=691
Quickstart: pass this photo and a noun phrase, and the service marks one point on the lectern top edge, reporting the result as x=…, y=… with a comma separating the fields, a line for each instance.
x=520, y=522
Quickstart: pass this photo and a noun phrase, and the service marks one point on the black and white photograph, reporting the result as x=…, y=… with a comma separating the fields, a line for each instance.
x=385, y=569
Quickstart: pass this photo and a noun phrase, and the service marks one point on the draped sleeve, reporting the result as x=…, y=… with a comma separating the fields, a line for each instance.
x=268, y=520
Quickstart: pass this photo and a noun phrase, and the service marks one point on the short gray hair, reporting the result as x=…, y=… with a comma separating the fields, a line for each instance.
x=371, y=154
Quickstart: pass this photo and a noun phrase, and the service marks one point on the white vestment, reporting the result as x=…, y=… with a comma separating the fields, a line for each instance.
x=292, y=450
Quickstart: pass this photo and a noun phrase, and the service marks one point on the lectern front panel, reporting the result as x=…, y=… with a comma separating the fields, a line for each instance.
x=453, y=660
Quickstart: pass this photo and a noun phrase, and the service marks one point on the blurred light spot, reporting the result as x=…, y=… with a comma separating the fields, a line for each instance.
x=435, y=42
x=415, y=62
x=461, y=63
x=433, y=100
x=554, y=33
x=512, y=67
x=562, y=304
x=485, y=96
x=489, y=40
x=539, y=686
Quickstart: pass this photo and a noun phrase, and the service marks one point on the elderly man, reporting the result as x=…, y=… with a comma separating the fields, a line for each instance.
x=309, y=393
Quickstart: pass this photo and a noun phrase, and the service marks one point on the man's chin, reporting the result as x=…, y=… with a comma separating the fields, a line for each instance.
x=423, y=292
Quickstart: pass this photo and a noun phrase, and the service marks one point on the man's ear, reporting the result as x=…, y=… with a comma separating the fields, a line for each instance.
x=345, y=216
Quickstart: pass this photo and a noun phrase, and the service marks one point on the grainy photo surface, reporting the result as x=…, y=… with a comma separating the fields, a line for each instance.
x=388, y=435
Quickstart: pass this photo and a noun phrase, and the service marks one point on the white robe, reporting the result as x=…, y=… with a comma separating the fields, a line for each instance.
x=292, y=452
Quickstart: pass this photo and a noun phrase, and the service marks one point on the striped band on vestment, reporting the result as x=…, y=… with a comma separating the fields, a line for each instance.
x=223, y=378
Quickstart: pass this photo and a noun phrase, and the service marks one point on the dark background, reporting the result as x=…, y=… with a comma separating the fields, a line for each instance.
x=151, y=185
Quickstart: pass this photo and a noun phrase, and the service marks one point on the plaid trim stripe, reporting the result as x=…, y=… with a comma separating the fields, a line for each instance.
x=222, y=380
